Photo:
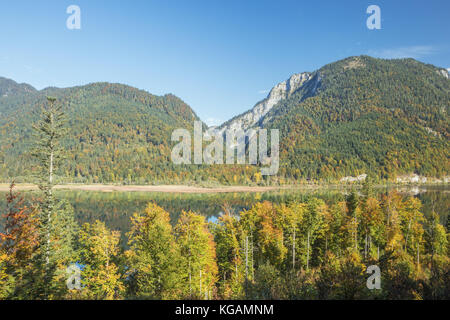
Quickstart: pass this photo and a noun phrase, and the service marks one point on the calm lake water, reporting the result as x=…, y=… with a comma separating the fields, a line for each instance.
x=115, y=208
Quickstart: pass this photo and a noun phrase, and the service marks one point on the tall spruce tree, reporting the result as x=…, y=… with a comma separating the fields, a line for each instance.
x=49, y=130
x=56, y=221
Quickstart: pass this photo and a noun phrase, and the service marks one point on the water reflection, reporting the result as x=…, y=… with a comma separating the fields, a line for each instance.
x=116, y=208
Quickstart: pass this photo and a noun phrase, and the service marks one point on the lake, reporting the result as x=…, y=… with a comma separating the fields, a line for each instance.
x=115, y=208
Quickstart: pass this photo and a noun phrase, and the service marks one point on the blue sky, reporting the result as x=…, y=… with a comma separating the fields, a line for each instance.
x=221, y=57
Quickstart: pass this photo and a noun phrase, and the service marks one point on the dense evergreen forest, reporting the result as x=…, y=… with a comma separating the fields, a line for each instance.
x=359, y=115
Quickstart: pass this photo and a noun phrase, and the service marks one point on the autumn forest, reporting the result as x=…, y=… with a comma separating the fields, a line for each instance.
x=380, y=118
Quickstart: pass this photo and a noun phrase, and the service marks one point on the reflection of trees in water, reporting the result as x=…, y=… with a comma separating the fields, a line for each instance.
x=116, y=208
x=437, y=201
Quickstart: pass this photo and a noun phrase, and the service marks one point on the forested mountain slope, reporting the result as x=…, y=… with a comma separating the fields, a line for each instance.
x=116, y=133
x=10, y=87
x=358, y=115
x=366, y=115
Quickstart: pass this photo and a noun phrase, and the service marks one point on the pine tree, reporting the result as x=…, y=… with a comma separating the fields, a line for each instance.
x=352, y=202
x=353, y=212
x=49, y=130
x=367, y=187
x=57, y=226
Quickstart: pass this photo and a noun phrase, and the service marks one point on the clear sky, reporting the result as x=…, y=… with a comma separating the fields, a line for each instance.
x=220, y=56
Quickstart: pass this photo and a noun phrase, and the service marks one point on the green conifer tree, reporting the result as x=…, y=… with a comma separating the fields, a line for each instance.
x=57, y=225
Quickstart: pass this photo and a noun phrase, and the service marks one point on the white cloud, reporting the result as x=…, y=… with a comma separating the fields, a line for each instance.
x=448, y=69
x=415, y=52
x=263, y=91
x=212, y=122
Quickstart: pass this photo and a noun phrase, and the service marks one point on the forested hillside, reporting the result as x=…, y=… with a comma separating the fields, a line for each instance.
x=358, y=115
x=116, y=133
x=366, y=115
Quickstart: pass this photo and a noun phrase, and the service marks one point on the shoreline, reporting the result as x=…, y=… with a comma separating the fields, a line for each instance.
x=4, y=187
x=148, y=188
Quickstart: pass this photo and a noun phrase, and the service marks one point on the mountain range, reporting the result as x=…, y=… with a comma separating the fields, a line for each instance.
x=359, y=115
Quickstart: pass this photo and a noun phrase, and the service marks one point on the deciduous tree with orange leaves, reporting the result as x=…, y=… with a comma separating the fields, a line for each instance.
x=19, y=240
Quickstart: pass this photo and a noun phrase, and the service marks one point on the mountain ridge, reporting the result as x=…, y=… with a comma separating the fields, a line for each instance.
x=11, y=87
x=239, y=121
x=117, y=132
x=354, y=116
x=368, y=115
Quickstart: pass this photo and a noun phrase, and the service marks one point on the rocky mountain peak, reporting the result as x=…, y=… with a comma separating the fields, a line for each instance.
x=282, y=90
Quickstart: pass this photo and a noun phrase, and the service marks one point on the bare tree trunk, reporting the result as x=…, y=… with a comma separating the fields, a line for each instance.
x=293, y=252
x=418, y=256
x=253, y=260
x=190, y=279
x=49, y=212
x=107, y=257
x=307, y=253
x=50, y=178
x=365, y=247
x=236, y=268
x=200, y=281
x=246, y=257
x=50, y=187
x=189, y=266
x=407, y=235
x=356, y=232
x=389, y=211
